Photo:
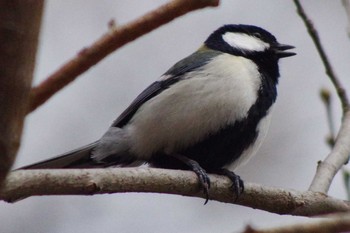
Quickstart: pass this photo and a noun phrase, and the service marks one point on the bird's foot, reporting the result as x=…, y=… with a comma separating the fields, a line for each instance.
x=237, y=183
x=202, y=175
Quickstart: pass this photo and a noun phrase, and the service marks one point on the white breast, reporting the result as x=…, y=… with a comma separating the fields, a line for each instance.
x=205, y=101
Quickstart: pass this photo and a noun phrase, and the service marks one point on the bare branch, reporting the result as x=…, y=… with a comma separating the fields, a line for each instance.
x=334, y=223
x=346, y=4
x=339, y=155
x=329, y=69
x=25, y=183
x=326, y=97
x=114, y=39
x=19, y=30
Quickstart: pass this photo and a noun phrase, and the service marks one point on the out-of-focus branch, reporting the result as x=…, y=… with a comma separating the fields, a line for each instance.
x=339, y=155
x=19, y=30
x=326, y=97
x=346, y=4
x=334, y=223
x=25, y=183
x=114, y=39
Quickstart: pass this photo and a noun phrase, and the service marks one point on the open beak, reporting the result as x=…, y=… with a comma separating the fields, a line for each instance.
x=280, y=50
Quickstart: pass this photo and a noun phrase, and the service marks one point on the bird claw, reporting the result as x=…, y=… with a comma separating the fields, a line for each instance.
x=202, y=175
x=204, y=181
x=237, y=183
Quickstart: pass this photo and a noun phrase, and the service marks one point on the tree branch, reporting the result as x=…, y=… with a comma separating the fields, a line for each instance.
x=111, y=41
x=334, y=223
x=346, y=4
x=328, y=67
x=19, y=30
x=339, y=155
x=25, y=183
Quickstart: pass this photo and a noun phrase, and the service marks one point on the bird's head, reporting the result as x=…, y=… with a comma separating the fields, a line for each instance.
x=247, y=41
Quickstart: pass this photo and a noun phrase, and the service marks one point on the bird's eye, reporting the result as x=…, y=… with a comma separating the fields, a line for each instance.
x=257, y=35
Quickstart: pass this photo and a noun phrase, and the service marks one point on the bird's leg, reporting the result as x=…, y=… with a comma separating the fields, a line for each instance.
x=237, y=182
x=200, y=172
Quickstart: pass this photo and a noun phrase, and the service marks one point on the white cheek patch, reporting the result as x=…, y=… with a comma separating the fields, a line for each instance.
x=245, y=42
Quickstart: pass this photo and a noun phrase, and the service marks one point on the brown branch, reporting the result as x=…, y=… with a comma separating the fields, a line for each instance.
x=19, y=30
x=114, y=39
x=25, y=183
x=339, y=155
x=334, y=223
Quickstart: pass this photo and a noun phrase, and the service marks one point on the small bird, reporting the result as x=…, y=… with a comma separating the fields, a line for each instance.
x=208, y=113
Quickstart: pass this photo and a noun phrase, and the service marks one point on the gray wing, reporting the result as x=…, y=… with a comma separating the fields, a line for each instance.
x=151, y=91
x=173, y=75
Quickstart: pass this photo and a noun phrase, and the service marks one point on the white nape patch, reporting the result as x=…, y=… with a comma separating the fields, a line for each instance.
x=262, y=130
x=203, y=102
x=245, y=42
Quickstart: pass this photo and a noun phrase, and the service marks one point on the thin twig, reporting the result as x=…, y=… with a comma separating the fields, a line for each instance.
x=328, y=67
x=25, y=183
x=108, y=43
x=326, y=98
x=346, y=4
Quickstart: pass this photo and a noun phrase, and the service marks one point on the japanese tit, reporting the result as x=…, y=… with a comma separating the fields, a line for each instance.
x=207, y=113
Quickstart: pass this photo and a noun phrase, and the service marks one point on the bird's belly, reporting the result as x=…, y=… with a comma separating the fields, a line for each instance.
x=230, y=147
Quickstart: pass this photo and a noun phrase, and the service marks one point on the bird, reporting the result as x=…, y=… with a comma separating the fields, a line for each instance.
x=209, y=113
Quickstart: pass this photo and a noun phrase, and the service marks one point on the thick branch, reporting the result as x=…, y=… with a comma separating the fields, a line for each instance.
x=334, y=223
x=25, y=183
x=19, y=30
x=116, y=38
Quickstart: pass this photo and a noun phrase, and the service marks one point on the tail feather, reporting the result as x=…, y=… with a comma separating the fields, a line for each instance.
x=78, y=158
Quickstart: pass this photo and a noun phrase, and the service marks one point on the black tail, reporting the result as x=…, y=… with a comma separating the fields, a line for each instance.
x=78, y=158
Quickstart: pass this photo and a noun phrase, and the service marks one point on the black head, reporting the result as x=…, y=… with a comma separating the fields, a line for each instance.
x=248, y=41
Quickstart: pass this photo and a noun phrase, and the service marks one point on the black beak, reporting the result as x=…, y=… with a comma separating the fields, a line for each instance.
x=280, y=50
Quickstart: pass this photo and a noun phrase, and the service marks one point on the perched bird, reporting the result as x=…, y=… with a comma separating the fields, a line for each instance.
x=207, y=113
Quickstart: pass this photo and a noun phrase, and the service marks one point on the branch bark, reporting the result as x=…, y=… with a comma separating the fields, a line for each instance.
x=25, y=183
x=19, y=30
x=111, y=41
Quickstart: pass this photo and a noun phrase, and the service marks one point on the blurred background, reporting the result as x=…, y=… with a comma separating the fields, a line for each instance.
x=82, y=112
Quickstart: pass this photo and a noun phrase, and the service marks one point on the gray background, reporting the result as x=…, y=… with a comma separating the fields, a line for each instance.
x=82, y=111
